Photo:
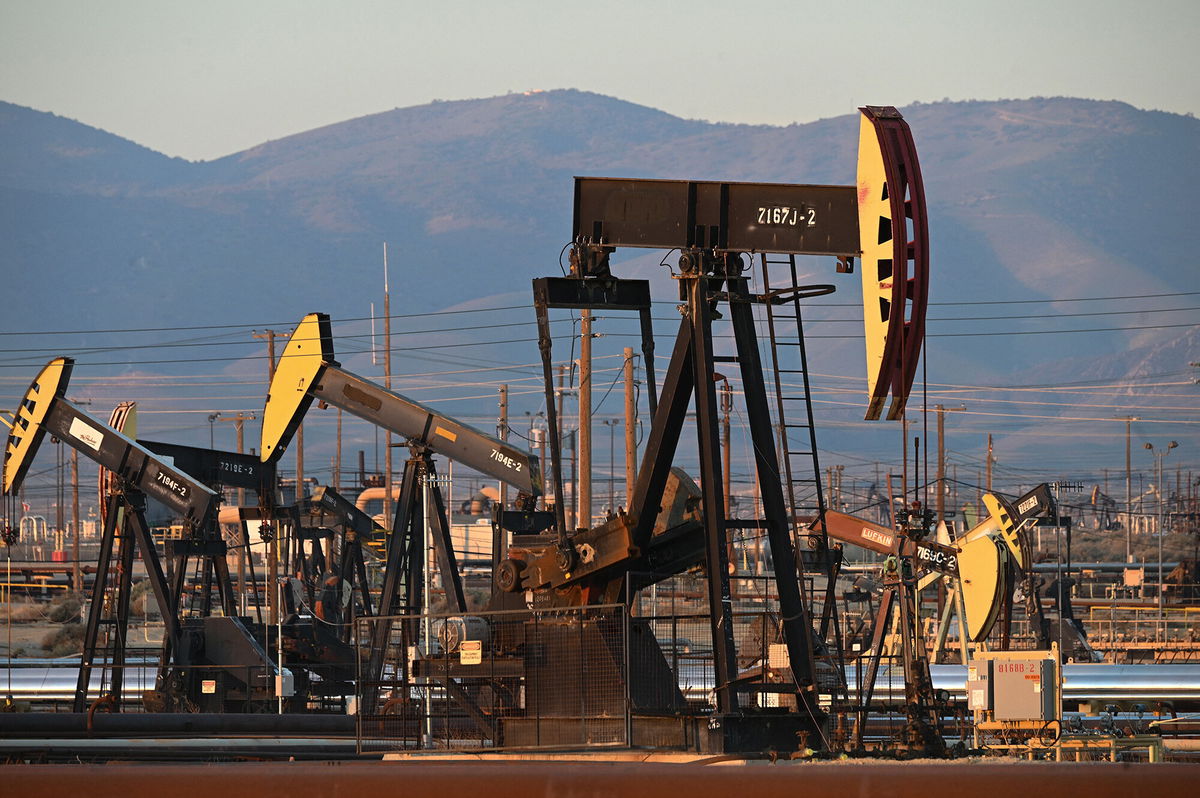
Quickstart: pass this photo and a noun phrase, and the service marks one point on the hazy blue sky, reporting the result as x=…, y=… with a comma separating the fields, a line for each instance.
x=204, y=79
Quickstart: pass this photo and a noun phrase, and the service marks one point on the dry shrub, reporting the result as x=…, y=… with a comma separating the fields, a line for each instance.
x=63, y=641
x=64, y=609
x=27, y=612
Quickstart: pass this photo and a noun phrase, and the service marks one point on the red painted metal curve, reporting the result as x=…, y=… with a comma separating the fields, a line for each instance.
x=916, y=254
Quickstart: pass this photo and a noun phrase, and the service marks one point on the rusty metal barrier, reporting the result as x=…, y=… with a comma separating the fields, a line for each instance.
x=584, y=779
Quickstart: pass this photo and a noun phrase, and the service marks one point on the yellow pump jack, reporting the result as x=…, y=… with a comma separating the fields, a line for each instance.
x=979, y=566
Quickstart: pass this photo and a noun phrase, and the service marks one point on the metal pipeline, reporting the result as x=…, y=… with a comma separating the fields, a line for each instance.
x=1081, y=682
x=43, y=684
x=145, y=724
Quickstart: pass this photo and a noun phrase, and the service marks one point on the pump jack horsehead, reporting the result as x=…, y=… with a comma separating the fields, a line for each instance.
x=894, y=231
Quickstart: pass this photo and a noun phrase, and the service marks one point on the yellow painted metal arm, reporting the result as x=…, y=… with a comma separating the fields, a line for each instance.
x=1006, y=527
x=290, y=394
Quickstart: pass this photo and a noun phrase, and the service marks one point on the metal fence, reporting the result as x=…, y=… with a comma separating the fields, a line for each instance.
x=1145, y=634
x=513, y=679
x=565, y=678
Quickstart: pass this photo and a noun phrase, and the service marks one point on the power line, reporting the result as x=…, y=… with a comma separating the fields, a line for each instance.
x=240, y=342
x=1022, y=301
x=1055, y=332
x=409, y=349
x=256, y=325
x=1020, y=415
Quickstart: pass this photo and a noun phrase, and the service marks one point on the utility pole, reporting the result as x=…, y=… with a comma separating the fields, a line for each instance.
x=989, y=464
x=238, y=422
x=559, y=396
x=502, y=434
x=585, y=420
x=499, y=538
x=337, y=459
x=631, y=428
x=60, y=499
x=273, y=546
x=726, y=456
x=569, y=509
x=954, y=489
x=269, y=335
x=941, y=463
x=612, y=423
x=941, y=460
x=387, y=383
x=76, y=571
x=1128, y=490
x=572, y=514
x=1159, y=454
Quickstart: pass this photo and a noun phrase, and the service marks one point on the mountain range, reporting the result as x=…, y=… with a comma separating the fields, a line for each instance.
x=1034, y=205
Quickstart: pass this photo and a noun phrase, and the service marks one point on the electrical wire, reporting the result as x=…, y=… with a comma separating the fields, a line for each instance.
x=260, y=325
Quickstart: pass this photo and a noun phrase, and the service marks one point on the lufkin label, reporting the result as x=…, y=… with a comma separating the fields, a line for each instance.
x=858, y=532
x=882, y=538
x=82, y=431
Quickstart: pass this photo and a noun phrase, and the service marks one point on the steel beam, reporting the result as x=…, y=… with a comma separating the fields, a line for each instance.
x=720, y=602
x=797, y=623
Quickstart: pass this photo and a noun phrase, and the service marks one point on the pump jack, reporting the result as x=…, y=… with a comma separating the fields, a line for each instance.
x=137, y=474
x=714, y=225
x=906, y=551
x=308, y=370
x=327, y=506
x=979, y=565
